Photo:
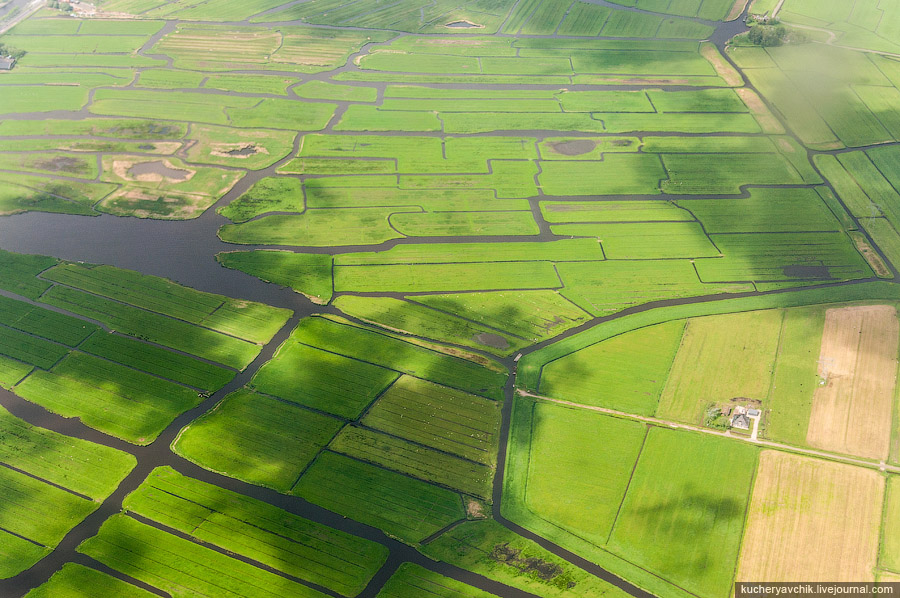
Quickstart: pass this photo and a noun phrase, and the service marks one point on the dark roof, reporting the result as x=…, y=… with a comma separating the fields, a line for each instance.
x=741, y=421
x=7, y=63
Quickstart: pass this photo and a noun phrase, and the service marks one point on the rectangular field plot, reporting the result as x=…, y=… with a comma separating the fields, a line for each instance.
x=683, y=514
x=43, y=322
x=322, y=380
x=37, y=512
x=634, y=369
x=851, y=413
x=439, y=417
x=402, y=506
x=766, y=257
x=795, y=376
x=416, y=319
x=78, y=581
x=811, y=520
x=413, y=581
x=50, y=483
x=157, y=361
x=109, y=397
x=889, y=557
x=413, y=278
x=218, y=48
x=257, y=530
x=156, y=328
x=616, y=174
x=82, y=467
x=415, y=460
x=532, y=315
x=606, y=287
x=257, y=439
x=389, y=352
x=250, y=321
x=766, y=210
x=645, y=240
x=733, y=364
x=579, y=468
x=181, y=567
x=560, y=212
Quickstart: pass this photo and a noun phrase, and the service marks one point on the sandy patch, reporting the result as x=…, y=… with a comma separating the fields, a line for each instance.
x=736, y=10
x=811, y=520
x=851, y=412
x=722, y=67
x=761, y=112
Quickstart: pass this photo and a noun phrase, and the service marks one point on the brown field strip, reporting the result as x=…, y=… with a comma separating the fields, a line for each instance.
x=851, y=413
x=811, y=520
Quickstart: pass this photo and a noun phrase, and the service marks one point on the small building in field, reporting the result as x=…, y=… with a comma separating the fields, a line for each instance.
x=6, y=63
x=753, y=412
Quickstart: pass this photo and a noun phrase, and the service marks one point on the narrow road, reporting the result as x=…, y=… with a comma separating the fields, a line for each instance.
x=680, y=426
x=17, y=11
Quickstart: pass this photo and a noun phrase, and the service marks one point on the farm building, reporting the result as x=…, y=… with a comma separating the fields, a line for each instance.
x=740, y=421
x=6, y=63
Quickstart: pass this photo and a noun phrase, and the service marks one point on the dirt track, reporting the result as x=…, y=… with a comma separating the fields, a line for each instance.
x=851, y=413
x=811, y=520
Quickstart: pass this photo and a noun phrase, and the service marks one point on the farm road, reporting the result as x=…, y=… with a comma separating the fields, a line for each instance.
x=881, y=466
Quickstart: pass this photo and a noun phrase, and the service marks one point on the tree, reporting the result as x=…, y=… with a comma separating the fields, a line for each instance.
x=767, y=35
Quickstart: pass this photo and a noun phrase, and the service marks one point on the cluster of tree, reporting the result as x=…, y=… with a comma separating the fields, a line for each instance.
x=767, y=35
x=63, y=6
x=6, y=50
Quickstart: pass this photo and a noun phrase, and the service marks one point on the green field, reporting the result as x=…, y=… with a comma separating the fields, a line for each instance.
x=256, y=438
x=635, y=368
x=413, y=581
x=748, y=360
x=176, y=565
x=322, y=380
x=78, y=581
x=402, y=506
x=266, y=534
x=685, y=523
x=586, y=458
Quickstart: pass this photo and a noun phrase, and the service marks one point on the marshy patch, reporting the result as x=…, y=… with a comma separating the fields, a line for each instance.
x=492, y=340
x=62, y=164
x=800, y=271
x=574, y=147
x=463, y=24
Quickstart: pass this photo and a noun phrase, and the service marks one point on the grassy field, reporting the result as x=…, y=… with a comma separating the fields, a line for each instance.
x=173, y=564
x=695, y=515
x=322, y=380
x=451, y=421
x=792, y=513
x=402, y=506
x=78, y=581
x=413, y=318
x=579, y=468
x=408, y=358
x=257, y=439
x=889, y=553
x=489, y=549
x=257, y=530
x=635, y=368
x=748, y=358
x=413, y=581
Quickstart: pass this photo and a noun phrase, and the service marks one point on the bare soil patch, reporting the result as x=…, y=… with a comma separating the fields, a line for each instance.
x=851, y=411
x=811, y=520
x=574, y=147
x=136, y=169
x=491, y=340
x=723, y=69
